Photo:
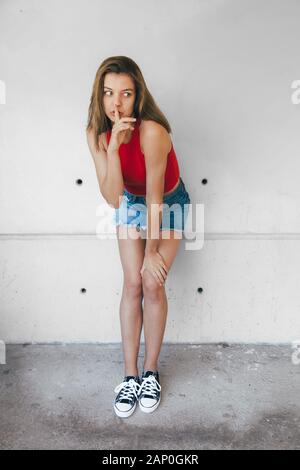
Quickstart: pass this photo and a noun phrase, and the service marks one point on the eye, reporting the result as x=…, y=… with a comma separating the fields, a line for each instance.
x=125, y=92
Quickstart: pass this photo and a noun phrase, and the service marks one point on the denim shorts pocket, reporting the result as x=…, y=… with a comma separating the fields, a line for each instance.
x=180, y=196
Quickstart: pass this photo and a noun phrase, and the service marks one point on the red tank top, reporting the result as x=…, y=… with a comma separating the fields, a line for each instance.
x=133, y=164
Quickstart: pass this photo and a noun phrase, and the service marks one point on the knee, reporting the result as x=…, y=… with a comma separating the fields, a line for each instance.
x=151, y=288
x=133, y=285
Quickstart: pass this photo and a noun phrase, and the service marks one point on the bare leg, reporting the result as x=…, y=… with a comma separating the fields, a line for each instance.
x=131, y=311
x=156, y=305
x=155, y=316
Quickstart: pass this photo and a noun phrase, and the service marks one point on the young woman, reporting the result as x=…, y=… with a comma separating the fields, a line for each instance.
x=138, y=174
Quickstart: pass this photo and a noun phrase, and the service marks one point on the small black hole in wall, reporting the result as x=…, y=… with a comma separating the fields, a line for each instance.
x=83, y=290
x=200, y=290
x=79, y=181
x=204, y=181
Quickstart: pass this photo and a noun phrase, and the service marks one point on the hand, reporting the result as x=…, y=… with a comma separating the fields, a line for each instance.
x=119, y=129
x=155, y=264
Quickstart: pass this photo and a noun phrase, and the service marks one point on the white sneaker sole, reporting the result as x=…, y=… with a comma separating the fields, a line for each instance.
x=124, y=414
x=149, y=410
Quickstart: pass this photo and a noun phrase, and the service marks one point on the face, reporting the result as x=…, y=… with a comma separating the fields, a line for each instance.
x=119, y=90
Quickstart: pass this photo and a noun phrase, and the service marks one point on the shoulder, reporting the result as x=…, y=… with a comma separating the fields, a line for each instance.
x=151, y=132
x=101, y=139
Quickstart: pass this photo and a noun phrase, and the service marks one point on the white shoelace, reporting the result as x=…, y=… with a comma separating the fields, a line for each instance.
x=128, y=389
x=150, y=386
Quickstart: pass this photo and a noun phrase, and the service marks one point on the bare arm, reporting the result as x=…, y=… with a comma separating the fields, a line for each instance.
x=108, y=170
x=156, y=144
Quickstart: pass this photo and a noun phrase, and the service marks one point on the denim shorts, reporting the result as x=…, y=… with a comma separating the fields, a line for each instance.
x=133, y=210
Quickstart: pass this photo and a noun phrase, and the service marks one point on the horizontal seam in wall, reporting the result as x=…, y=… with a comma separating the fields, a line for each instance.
x=207, y=236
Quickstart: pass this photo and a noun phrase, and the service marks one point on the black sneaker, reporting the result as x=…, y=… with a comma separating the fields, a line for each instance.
x=149, y=394
x=125, y=401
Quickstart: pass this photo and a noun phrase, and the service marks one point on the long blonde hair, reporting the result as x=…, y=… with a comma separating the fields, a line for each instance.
x=144, y=106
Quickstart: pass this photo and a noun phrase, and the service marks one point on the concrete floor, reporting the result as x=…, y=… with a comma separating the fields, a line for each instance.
x=213, y=397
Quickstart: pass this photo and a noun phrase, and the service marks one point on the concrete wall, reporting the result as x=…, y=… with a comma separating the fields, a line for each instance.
x=222, y=71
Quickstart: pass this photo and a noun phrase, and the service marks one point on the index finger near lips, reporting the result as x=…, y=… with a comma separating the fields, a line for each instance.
x=117, y=117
